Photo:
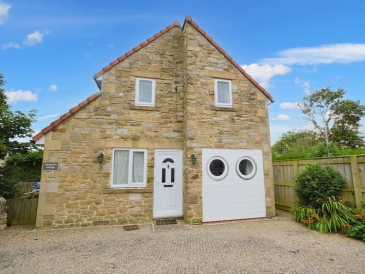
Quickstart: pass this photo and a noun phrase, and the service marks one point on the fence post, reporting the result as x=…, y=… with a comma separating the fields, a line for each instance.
x=356, y=180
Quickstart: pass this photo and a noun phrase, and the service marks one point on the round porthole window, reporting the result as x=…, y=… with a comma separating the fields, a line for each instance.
x=217, y=168
x=246, y=168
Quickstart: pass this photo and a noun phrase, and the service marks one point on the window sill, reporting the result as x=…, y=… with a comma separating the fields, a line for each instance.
x=151, y=108
x=228, y=109
x=126, y=190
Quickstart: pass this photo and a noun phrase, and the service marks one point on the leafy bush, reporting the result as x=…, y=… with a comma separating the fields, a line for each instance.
x=25, y=166
x=333, y=216
x=9, y=188
x=318, y=150
x=19, y=167
x=316, y=183
x=358, y=231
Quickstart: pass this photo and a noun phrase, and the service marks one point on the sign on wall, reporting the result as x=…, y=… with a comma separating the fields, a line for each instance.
x=50, y=166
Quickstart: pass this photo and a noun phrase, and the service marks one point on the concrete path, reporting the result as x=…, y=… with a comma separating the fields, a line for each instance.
x=277, y=245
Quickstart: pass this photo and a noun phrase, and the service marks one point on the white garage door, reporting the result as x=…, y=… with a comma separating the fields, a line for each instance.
x=233, y=184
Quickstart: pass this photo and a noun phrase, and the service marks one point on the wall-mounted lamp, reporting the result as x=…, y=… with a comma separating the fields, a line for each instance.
x=193, y=158
x=100, y=158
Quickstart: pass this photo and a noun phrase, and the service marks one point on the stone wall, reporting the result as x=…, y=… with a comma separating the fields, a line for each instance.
x=244, y=126
x=184, y=64
x=79, y=193
x=3, y=214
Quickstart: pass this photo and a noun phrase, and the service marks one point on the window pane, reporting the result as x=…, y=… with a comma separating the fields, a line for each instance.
x=164, y=175
x=138, y=165
x=120, y=169
x=169, y=160
x=223, y=93
x=217, y=167
x=246, y=167
x=172, y=175
x=145, y=91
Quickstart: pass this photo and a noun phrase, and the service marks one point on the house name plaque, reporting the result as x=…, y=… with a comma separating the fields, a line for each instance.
x=50, y=166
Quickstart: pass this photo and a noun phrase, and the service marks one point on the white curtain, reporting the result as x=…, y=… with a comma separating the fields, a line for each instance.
x=145, y=91
x=138, y=165
x=223, y=93
x=120, y=169
x=246, y=167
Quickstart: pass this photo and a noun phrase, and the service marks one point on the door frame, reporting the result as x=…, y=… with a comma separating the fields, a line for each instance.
x=179, y=188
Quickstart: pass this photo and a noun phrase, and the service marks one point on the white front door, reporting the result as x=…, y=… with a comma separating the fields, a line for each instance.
x=168, y=184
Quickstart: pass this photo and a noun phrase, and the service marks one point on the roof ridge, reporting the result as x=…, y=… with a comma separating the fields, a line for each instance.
x=135, y=49
x=66, y=115
x=210, y=39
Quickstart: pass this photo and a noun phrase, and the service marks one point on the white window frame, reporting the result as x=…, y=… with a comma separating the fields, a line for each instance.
x=253, y=171
x=217, y=103
x=130, y=167
x=225, y=172
x=148, y=104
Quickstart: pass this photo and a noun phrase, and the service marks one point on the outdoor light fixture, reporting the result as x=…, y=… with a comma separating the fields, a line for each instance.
x=100, y=158
x=193, y=158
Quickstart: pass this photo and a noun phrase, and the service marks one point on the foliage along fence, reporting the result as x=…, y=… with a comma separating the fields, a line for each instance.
x=26, y=187
x=22, y=211
x=352, y=168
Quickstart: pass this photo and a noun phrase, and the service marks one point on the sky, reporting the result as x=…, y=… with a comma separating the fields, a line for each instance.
x=50, y=50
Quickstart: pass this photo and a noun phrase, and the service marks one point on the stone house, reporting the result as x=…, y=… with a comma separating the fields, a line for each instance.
x=178, y=130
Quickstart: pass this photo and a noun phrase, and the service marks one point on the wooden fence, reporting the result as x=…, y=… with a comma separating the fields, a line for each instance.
x=351, y=167
x=22, y=211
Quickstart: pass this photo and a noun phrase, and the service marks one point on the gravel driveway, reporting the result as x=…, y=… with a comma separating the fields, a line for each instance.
x=277, y=245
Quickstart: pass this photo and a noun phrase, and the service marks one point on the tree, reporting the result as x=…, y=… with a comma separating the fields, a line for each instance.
x=293, y=142
x=341, y=118
x=13, y=125
x=26, y=167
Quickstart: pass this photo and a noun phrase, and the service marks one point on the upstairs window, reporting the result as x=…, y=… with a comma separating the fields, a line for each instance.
x=223, y=93
x=145, y=92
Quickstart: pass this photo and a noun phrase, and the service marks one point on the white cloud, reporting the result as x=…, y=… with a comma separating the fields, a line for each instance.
x=282, y=117
x=288, y=105
x=15, y=96
x=33, y=38
x=304, y=84
x=336, y=77
x=4, y=11
x=50, y=116
x=263, y=73
x=53, y=87
x=10, y=45
x=325, y=54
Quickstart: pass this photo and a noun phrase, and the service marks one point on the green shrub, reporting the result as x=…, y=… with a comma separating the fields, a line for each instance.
x=333, y=216
x=320, y=150
x=9, y=188
x=26, y=166
x=358, y=230
x=316, y=183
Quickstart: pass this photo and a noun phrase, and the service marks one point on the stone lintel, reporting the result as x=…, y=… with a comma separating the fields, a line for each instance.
x=222, y=75
x=126, y=190
x=146, y=74
x=144, y=144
